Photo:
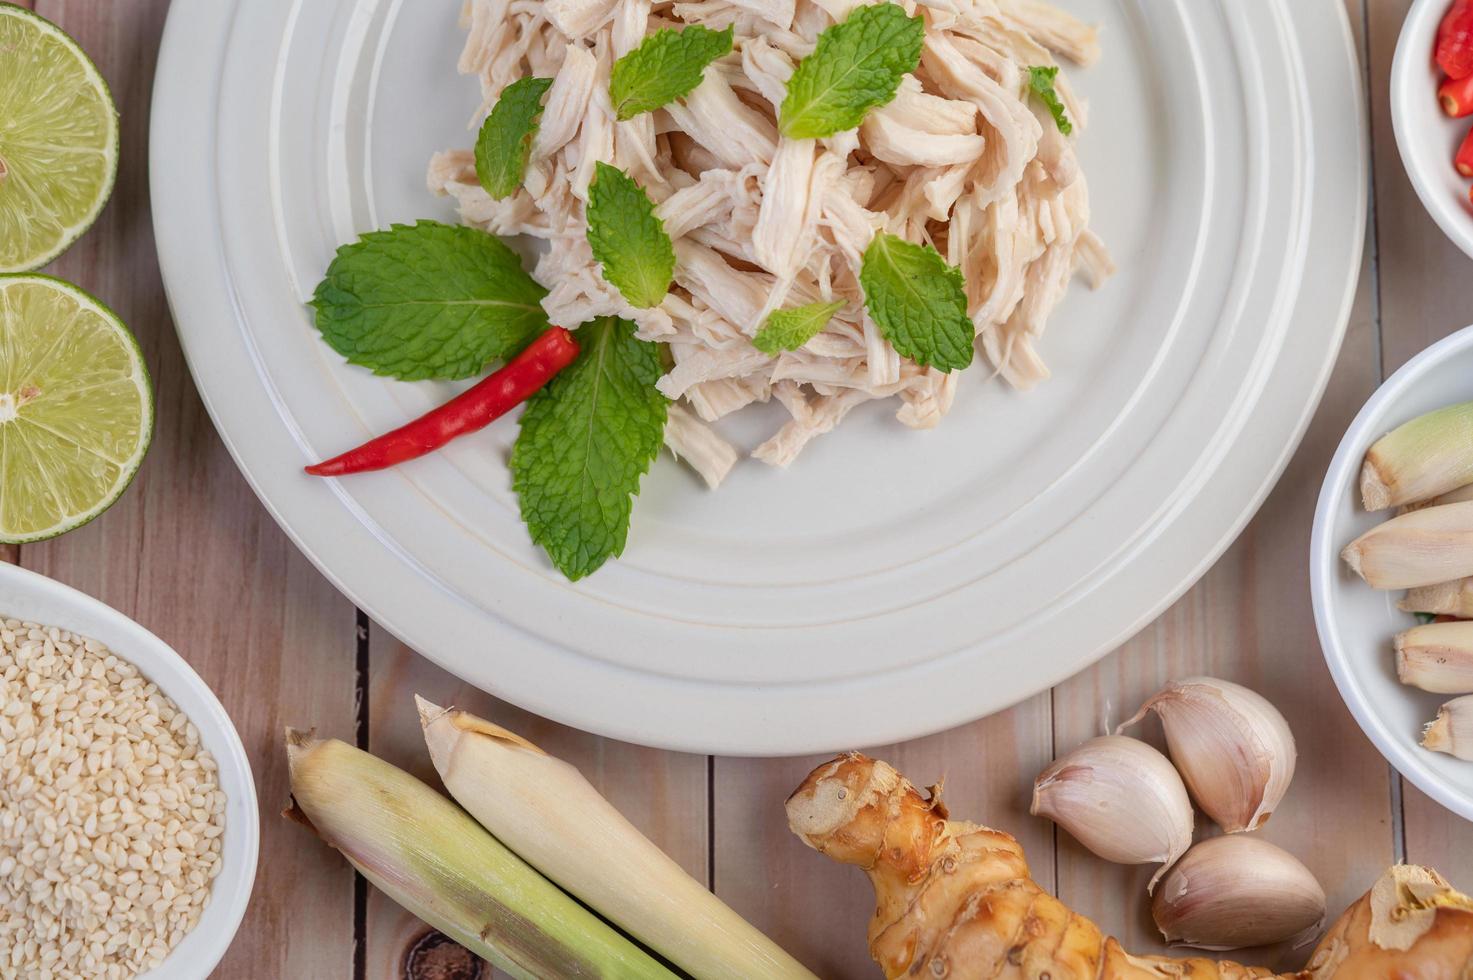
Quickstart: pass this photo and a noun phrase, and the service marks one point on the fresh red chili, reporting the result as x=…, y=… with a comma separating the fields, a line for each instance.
x=1455, y=40
x=469, y=411
x=1464, y=159
x=1456, y=96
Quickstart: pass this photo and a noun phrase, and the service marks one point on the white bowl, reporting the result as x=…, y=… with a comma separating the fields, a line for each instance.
x=26, y=595
x=1356, y=623
x=1426, y=137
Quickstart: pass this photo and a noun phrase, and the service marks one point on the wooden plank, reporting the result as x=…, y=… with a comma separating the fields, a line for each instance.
x=819, y=910
x=1249, y=620
x=192, y=555
x=662, y=793
x=1423, y=298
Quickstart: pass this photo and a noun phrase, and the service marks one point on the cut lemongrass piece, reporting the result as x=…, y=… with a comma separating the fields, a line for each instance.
x=1437, y=657
x=1442, y=599
x=425, y=853
x=1452, y=730
x=1427, y=456
x=542, y=808
x=1425, y=547
x=1458, y=496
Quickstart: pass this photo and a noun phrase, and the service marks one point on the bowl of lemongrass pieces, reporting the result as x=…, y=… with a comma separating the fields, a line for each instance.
x=1391, y=570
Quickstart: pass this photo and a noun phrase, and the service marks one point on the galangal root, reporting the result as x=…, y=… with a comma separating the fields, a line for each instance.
x=954, y=900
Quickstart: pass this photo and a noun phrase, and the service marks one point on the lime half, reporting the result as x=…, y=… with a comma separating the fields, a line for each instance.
x=58, y=141
x=76, y=408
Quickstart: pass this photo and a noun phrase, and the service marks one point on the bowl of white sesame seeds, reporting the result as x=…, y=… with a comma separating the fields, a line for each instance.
x=128, y=823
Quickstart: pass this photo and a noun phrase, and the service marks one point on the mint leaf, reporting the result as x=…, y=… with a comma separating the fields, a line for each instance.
x=665, y=66
x=1041, y=83
x=627, y=239
x=427, y=301
x=506, y=136
x=918, y=302
x=586, y=439
x=792, y=328
x=856, y=67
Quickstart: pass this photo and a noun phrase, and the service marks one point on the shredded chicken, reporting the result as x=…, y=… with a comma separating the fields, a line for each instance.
x=963, y=158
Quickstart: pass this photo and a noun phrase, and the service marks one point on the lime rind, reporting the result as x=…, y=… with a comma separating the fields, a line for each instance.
x=46, y=468
x=100, y=183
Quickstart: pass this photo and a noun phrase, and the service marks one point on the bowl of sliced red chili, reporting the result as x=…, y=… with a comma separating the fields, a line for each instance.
x=1432, y=111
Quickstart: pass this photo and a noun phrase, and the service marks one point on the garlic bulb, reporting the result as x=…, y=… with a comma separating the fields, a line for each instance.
x=1121, y=798
x=1235, y=891
x=1232, y=747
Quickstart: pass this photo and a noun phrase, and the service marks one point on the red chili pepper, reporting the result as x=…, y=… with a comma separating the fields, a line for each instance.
x=1455, y=40
x=1464, y=159
x=473, y=409
x=1456, y=96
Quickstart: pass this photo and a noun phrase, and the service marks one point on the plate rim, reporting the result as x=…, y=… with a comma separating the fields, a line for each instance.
x=163, y=665
x=1324, y=558
x=751, y=737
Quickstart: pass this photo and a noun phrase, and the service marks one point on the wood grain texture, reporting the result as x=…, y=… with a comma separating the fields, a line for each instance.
x=1421, y=281
x=1249, y=620
x=664, y=794
x=191, y=554
x=818, y=910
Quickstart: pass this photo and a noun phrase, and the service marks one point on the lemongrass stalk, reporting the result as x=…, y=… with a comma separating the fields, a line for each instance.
x=1458, y=496
x=1425, y=547
x=1452, y=730
x=1442, y=599
x=425, y=853
x=542, y=808
x=1427, y=456
x=1437, y=657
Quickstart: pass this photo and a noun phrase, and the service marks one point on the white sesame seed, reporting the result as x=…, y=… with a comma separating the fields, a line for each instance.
x=110, y=811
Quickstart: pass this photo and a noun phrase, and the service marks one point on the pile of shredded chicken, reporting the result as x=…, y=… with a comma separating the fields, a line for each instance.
x=963, y=158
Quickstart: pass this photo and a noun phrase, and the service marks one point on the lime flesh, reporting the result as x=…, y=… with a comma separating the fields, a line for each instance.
x=58, y=141
x=76, y=408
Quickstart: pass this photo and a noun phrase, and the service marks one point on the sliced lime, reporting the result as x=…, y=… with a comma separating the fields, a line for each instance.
x=58, y=141
x=76, y=408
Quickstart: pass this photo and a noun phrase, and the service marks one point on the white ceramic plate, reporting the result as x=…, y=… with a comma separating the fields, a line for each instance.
x=35, y=598
x=890, y=583
x=1356, y=622
x=1425, y=136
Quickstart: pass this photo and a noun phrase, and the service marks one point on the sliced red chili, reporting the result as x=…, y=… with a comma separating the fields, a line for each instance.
x=473, y=409
x=1463, y=161
x=1455, y=40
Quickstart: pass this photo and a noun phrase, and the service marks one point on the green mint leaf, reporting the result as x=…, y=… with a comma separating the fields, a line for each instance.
x=627, y=239
x=1041, y=83
x=918, y=302
x=667, y=65
x=792, y=328
x=427, y=301
x=1425, y=618
x=506, y=136
x=856, y=67
x=586, y=439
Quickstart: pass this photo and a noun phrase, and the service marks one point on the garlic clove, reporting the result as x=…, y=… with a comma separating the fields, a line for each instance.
x=1232, y=747
x=1121, y=799
x=1452, y=730
x=1437, y=657
x=1236, y=891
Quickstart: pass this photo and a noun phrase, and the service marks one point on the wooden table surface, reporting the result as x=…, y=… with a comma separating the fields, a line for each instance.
x=191, y=554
